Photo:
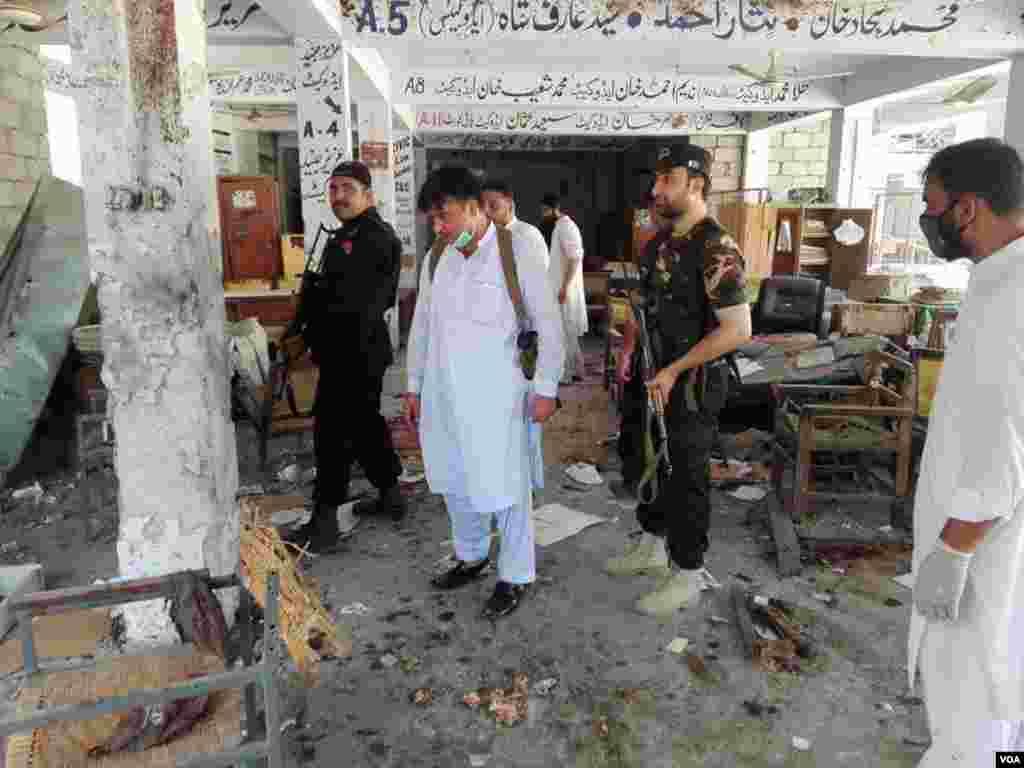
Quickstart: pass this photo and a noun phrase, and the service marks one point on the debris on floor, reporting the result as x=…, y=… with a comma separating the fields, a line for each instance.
x=545, y=686
x=354, y=609
x=733, y=471
x=33, y=492
x=423, y=697
x=772, y=638
x=585, y=474
x=678, y=646
x=749, y=493
x=555, y=522
x=290, y=474
x=801, y=744
x=508, y=705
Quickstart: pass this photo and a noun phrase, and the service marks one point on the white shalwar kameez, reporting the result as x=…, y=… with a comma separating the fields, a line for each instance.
x=973, y=470
x=462, y=361
x=566, y=236
x=533, y=236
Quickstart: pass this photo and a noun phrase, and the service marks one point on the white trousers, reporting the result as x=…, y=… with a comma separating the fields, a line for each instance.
x=471, y=532
x=964, y=733
x=573, y=351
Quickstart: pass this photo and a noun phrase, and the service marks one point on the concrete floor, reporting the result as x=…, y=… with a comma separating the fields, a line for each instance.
x=621, y=699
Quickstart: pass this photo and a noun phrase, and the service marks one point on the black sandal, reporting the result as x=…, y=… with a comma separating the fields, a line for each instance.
x=460, y=575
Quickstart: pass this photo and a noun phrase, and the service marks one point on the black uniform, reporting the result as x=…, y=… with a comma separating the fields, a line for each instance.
x=684, y=280
x=342, y=314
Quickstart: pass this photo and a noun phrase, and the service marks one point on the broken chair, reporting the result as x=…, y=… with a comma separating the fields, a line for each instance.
x=283, y=404
x=829, y=435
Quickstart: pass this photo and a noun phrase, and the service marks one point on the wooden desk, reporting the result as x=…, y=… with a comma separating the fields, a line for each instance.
x=270, y=307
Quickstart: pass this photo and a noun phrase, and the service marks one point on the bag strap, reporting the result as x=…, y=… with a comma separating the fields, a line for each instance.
x=508, y=266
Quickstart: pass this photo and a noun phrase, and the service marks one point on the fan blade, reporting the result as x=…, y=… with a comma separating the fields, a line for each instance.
x=758, y=76
x=810, y=78
x=972, y=91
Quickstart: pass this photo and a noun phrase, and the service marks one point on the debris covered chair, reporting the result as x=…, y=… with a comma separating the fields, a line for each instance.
x=832, y=436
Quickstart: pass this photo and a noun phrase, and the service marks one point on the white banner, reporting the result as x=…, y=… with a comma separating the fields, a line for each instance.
x=662, y=91
x=576, y=121
x=325, y=137
x=920, y=27
x=533, y=142
x=405, y=190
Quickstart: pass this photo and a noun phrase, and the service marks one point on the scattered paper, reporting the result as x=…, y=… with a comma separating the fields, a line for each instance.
x=906, y=580
x=719, y=620
x=585, y=474
x=546, y=686
x=389, y=660
x=749, y=493
x=886, y=529
x=249, y=490
x=708, y=581
x=801, y=744
x=812, y=358
x=355, y=609
x=479, y=761
x=31, y=492
x=747, y=367
x=289, y=474
x=285, y=517
x=554, y=522
x=678, y=646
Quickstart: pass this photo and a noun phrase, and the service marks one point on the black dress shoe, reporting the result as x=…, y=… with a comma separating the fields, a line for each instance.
x=460, y=575
x=506, y=598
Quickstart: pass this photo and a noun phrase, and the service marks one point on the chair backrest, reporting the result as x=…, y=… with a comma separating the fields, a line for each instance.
x=789, y=304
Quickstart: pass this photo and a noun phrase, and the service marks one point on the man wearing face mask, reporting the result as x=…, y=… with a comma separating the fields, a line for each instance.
x=467, y=392
x=345, y=329
x=967, y=626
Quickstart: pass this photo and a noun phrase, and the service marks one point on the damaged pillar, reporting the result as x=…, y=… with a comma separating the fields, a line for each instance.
x=325, y=130
x=148, y=175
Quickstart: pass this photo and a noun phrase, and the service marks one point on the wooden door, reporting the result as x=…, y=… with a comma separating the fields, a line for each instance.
x=250, y=225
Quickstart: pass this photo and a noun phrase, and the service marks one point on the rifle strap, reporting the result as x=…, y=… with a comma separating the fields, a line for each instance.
x=508, y=266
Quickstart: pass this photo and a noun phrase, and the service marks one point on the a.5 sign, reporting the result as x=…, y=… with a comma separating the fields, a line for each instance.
x=398, y=21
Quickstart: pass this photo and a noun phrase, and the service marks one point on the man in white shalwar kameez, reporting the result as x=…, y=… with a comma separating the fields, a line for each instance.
x=467, y=392
x=565, y=271
x=500, y=207
x=967, y=625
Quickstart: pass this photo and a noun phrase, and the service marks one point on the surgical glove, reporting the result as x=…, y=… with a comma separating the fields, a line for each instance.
x=940, y=583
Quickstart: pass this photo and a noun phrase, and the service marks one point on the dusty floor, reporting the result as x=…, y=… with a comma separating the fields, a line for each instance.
x=620, y=698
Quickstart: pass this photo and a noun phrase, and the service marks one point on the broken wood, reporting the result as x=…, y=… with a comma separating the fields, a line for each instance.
x=778, y=621
x=786, y=542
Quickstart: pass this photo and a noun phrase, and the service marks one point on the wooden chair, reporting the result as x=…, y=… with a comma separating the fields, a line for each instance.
x=833, y=430
x=283, y=404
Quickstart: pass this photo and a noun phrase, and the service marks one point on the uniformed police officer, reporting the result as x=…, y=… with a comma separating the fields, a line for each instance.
x=341, y=317
x=692, y=293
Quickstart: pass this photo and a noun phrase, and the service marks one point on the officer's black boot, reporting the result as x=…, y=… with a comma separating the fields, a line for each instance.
x=325, y=536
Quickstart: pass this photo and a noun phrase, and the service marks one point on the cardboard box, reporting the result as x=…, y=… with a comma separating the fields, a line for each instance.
x=879, y=286
x=856, y=318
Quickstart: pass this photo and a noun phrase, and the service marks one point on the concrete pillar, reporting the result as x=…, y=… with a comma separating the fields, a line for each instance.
x=850, y=134
x=325, y=132
x=755, y=160
x=374, y=132
x=148, y=179
x=1014, y=124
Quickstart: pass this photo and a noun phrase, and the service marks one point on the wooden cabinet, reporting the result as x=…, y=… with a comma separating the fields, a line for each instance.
x=752, y=226
x=250, y=225
x=804, y=243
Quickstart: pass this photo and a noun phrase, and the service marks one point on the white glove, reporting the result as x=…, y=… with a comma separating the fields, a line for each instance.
x=940, y=583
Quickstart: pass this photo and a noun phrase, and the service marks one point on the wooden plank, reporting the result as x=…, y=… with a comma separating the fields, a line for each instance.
x=787, y=545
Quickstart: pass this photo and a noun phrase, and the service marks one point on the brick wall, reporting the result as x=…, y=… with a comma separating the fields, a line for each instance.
x=24, y=143
x=727, y=151
x=799, y=158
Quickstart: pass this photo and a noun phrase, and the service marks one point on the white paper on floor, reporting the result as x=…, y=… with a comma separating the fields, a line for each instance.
x=906, y=580
x=747, y=367
x=285, y=517
x=554, y=522
x=749, y=493
x=585, y=474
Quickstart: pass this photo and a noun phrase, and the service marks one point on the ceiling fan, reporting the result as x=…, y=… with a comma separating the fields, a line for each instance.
x=970, y=92
x=775, y=75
